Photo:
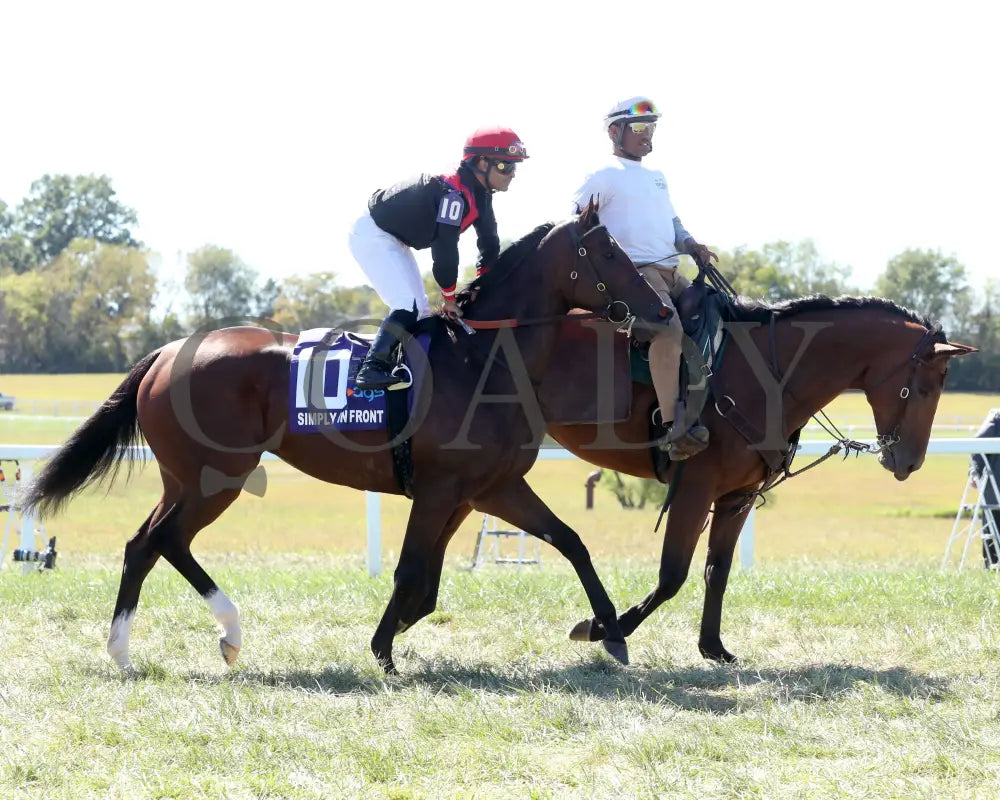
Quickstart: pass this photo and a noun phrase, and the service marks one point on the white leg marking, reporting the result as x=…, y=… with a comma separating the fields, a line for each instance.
x=121, y=627
x=228, y=616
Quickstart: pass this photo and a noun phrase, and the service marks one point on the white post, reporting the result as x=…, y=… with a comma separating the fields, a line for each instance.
x=27, y=520
x=746, y=541
x=373, y=506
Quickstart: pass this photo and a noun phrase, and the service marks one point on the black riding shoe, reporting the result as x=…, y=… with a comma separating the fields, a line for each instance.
x=379, y=370
x=374, y=373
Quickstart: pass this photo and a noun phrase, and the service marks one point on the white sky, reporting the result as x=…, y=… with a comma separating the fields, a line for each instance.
x=868, y=126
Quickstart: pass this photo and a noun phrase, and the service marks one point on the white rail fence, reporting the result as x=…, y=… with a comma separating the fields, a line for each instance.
x=26, y=455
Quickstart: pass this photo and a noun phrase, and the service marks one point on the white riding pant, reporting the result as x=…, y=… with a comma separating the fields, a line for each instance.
x=389, y=266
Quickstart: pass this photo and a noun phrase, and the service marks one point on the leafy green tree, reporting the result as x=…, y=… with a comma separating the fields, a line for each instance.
x=806, y=271
x=15, y=251
x=221, y=286
x=61, y=208
x=927, y=282
x=314, y=301
x=753, y=275
x=110, y=290
x=783, y=270
x=77, y=313
x=980, y=328
x=24, y=323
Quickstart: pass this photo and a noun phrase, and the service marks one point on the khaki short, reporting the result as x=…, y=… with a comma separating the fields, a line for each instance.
x=667, y=282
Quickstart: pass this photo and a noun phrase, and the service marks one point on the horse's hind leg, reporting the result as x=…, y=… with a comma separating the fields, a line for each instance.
x=140, y=556
x=430, y=515
x=727, y=522
x=174, y=544
x=437, y=561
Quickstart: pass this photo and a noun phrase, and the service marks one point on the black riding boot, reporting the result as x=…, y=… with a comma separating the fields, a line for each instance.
x=376, y=371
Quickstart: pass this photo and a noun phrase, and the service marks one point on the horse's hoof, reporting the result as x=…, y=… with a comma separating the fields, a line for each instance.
x=617, y=650
x=230, y=652
x=388, y=665
x=718, y=654
x=587, y=631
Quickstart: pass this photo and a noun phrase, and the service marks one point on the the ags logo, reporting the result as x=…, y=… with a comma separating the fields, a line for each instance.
x=367, y=394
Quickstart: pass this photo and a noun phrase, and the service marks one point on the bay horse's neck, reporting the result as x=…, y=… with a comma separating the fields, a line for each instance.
x=839, y=356
x=528, y=292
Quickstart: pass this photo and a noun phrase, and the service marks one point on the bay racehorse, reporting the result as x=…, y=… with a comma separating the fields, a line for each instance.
x=783, y=364
x=217, y=401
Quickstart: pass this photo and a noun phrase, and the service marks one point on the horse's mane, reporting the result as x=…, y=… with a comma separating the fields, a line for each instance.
x=746, y=309
x=509, y=258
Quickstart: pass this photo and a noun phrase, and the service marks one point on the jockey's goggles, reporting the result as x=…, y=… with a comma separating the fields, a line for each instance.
x=642, y=127
x=517, y=150
x=644, y=108
x=504, y=167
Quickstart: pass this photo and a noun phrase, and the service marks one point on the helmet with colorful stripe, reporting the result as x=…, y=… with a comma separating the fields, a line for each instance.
x=634, y=109
x=497, y=143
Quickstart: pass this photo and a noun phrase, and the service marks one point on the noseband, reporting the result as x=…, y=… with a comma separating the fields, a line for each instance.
x=885, y=441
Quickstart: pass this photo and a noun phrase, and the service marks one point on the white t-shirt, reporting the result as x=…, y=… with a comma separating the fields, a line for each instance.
x=636, y=208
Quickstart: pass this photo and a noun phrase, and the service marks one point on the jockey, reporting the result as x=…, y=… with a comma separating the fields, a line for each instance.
x=429, y=211
x=636, y=208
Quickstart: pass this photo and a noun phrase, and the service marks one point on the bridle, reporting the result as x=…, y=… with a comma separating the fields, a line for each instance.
x=885, y=441
x=585, y=258
x=615, y=311
x=779, y=472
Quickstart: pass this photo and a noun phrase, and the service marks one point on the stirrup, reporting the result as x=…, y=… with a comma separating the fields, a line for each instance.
x=690, y=443
x=374, y=373
x=403, y=381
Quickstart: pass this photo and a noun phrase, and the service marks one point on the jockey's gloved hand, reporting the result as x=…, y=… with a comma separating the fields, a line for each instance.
x=450, y=309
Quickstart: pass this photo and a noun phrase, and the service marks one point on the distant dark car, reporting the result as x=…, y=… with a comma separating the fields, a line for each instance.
x=7, y=402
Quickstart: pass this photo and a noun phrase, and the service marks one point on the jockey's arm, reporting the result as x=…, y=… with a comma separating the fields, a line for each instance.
x=444, y=252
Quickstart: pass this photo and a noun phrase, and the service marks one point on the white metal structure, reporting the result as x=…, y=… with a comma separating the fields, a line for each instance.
x=977, y=519
x=488, y=542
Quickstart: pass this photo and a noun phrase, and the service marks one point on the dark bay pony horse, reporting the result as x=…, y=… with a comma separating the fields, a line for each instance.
x=220, y=401
x=787, y=360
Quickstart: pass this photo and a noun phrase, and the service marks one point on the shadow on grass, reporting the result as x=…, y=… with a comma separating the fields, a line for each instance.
x=712, y=689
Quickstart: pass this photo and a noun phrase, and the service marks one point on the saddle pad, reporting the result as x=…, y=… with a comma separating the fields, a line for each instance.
x=322, y=393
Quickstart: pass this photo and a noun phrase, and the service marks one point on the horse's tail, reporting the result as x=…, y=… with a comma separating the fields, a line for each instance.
x=94, y=452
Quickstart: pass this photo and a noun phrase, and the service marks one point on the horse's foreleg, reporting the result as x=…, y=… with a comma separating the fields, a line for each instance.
x=140, y=556
x=684, y=523
x=429, y=516
x=520, y=506
x=727, y=522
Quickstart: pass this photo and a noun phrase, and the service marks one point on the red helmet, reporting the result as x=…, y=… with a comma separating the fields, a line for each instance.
x=500, y=143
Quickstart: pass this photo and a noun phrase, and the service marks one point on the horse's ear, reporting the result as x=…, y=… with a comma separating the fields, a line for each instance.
x=588, y=216
x=952, y=350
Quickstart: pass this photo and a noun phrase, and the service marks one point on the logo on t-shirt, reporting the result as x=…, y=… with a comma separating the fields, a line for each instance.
x=660, y=183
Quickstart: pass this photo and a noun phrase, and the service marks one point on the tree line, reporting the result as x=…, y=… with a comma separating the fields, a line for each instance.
x=77, y=290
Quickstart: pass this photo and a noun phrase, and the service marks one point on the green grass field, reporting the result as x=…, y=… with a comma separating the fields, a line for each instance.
x=855, y=683
x=867, y=671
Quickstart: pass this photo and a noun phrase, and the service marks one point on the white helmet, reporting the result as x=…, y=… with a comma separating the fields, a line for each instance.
x=635, y=109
